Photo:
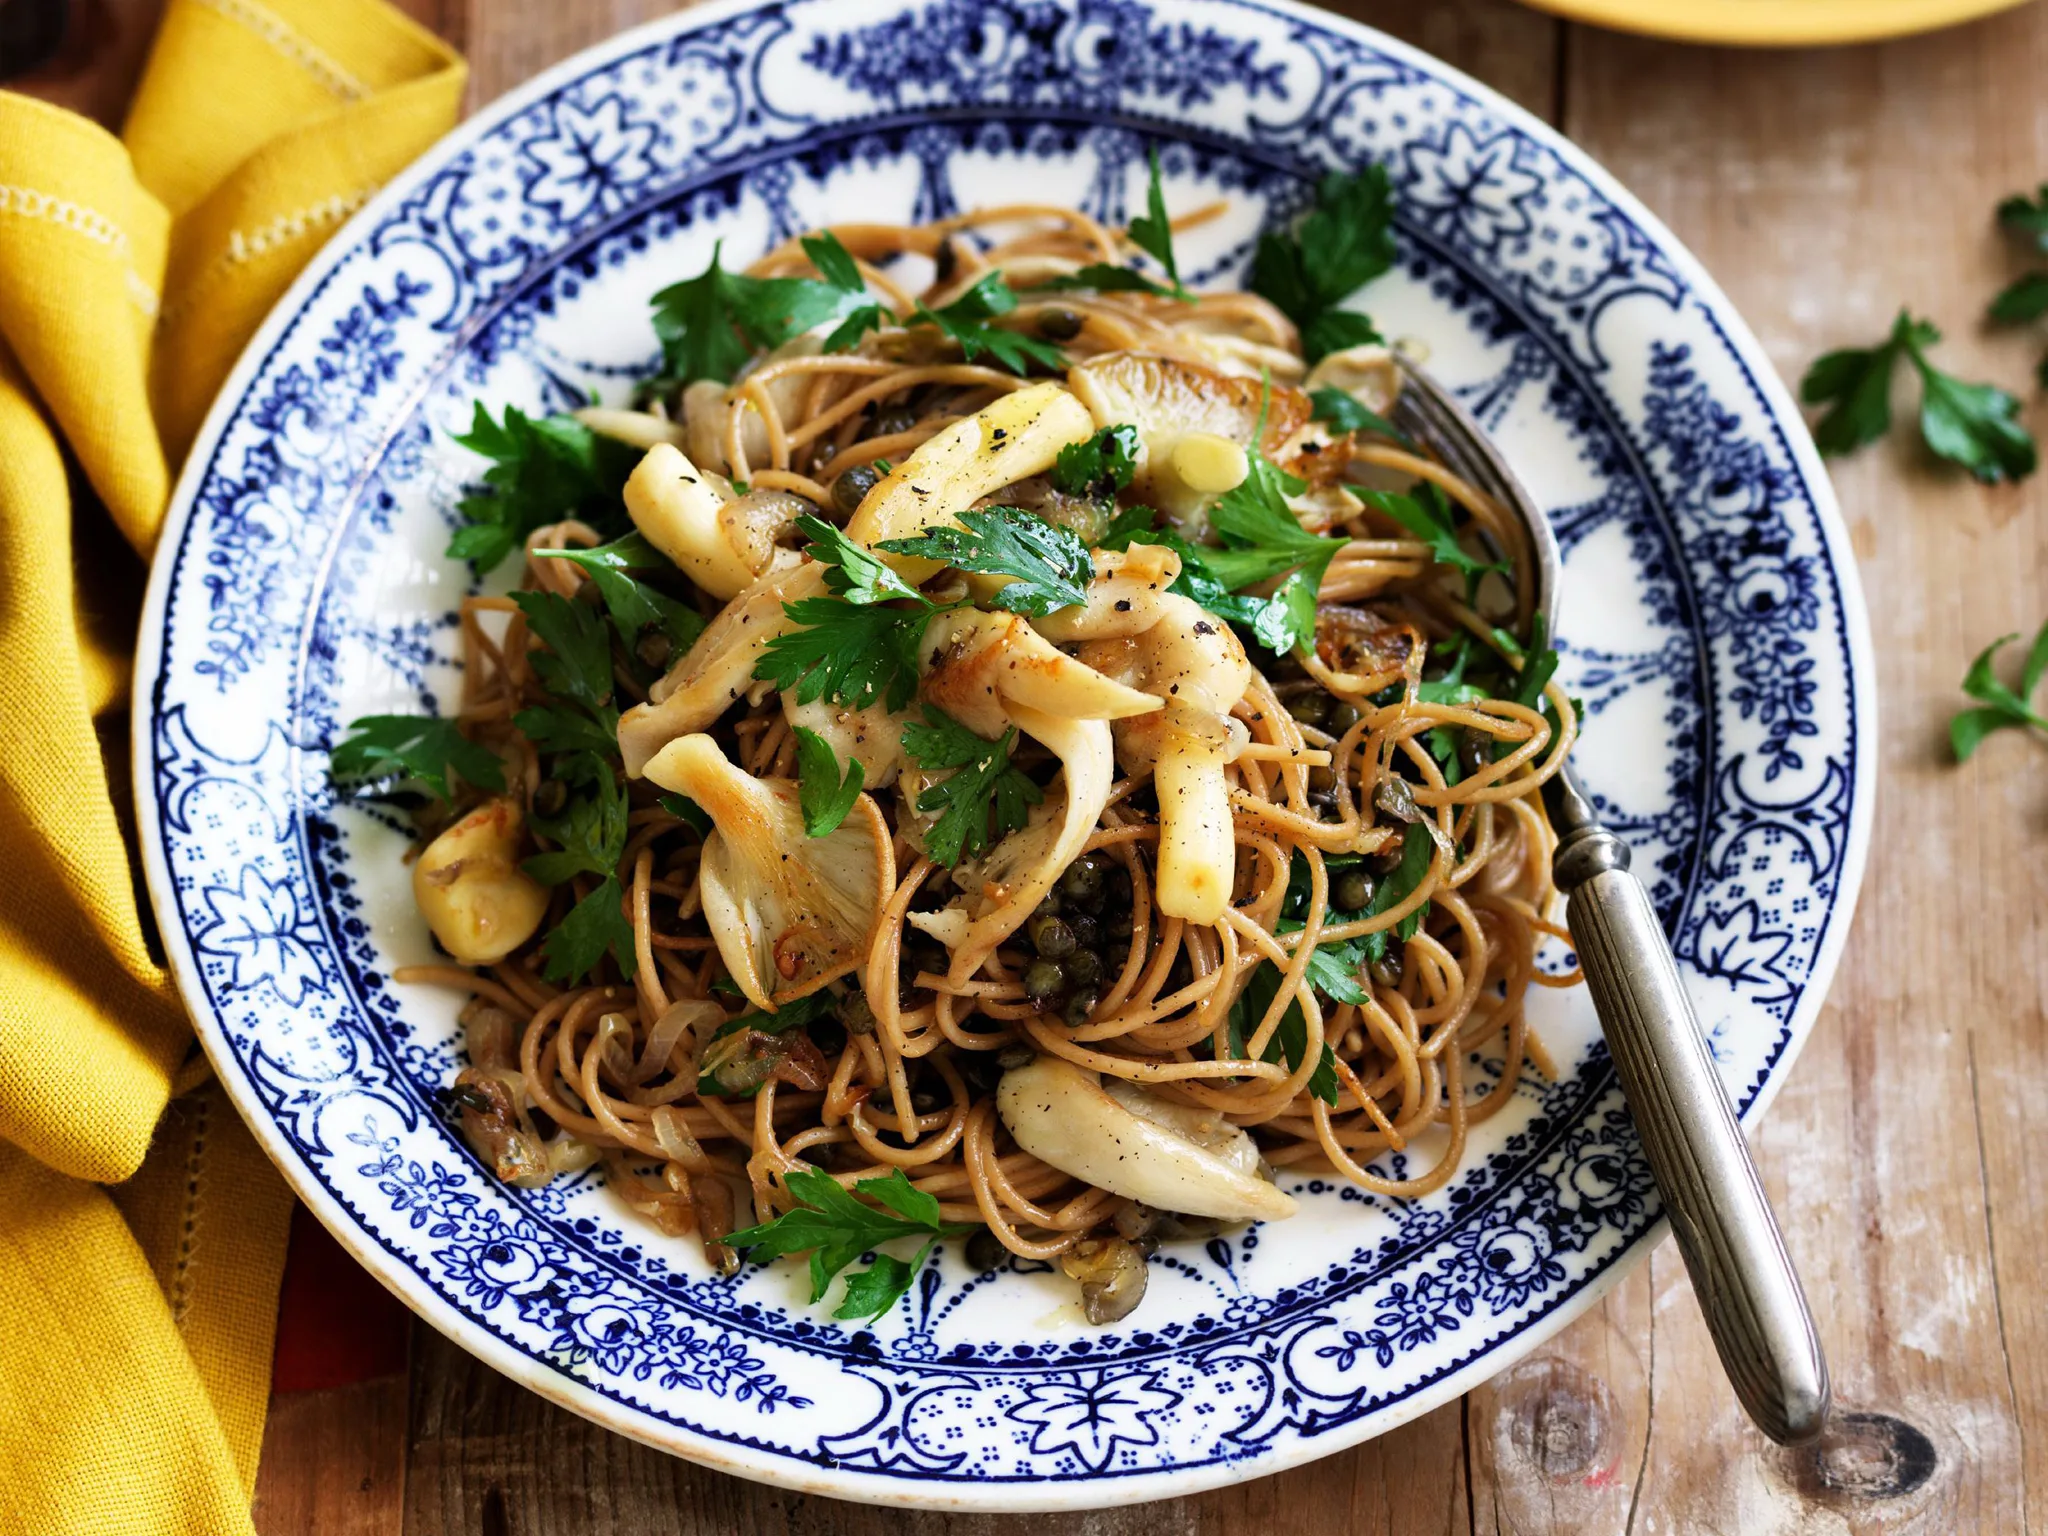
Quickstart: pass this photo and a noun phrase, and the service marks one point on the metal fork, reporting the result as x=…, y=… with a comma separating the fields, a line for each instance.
x=1745, y=1282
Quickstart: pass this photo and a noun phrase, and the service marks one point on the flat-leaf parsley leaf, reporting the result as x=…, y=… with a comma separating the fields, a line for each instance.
x=1346, y=241
x=413, y=746
x=1974, y=425
x=822, y=794
x=2002, y=707
x=981, y=800
x=1051, y=563
x=835, y=1227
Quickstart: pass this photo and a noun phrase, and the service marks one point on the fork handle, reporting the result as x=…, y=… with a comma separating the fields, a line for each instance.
x=1745, y=1282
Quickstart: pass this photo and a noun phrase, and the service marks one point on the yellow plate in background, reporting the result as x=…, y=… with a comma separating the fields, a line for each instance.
x=1774, y=23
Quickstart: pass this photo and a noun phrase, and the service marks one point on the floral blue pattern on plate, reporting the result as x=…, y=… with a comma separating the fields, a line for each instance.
x=1712, y=625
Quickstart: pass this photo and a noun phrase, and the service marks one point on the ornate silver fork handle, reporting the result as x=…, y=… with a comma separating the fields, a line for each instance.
x=1745, y=1282
x=1747, y=1289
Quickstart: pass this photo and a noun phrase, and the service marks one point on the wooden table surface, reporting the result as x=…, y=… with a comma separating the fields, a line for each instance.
x=1823, y=189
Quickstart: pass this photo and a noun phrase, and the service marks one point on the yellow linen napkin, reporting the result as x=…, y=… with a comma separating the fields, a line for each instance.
x=136, y=1337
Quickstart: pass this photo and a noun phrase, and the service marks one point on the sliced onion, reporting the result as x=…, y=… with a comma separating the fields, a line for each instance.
x=677, y=1144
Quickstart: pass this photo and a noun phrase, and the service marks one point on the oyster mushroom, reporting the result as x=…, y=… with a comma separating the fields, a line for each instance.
x=717, y=671
x=789, y=913
x=990, y=671
x=1006, y=440
x=1123, y=596
x=723, y=543
x=640, y=429
x=1169, y=400
x=471, y=890
x=1017, y=872
x=1368, y=374
x=1198, y=665
x=871, y=736
x=1134, y=1143
x=975, y=665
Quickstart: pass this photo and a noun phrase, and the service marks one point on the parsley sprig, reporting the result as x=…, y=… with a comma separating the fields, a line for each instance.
x=1974, y=425
x=419, y=747
x=982, y=799
x=846, y=652
x=1152, y=233
x=1426, y=512
x=543, y=469
x=2026, y=297
x=1050, y=562
x=1100, y=465
x=2000, y=707
x=1345, y=242
x=857, y=645
x=636, y=608
x=1342, y=412
x=836, y=1228
x=965, y=321
x=822, y=795
x=710, y=324
x=578, y=729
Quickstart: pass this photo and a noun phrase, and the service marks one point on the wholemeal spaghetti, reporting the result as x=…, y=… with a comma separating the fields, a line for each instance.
x=1302, y=865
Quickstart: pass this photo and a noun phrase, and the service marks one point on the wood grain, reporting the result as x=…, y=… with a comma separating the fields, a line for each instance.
x=1822, y=189
x=334, y=1462
x=1825, y=189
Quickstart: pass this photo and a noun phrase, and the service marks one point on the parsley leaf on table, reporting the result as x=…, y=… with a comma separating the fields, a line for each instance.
x=1153, y=233
x=965, y=322
x=2002, y=707
x=824, y=797
x=846, y=652
x=577, y=664
x=2026, y=297
x=635, y=606
x=543, y=468
x=983, y=799
x=837, y=1228
x=1340, y=409
x=1346, y=241
x=1101, y=465
x=419, y=747
x=2026, y=218
x=710, y=324
x=1974, y=425
x=1051, y=563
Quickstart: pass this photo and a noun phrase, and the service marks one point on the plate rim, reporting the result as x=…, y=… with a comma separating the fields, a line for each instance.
x=1807, y=23
x=1102, y=1489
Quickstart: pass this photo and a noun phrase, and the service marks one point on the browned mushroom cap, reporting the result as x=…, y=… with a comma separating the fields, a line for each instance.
x=789, y=912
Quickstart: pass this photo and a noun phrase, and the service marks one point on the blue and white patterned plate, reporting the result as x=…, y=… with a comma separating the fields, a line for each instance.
x=1712, y=624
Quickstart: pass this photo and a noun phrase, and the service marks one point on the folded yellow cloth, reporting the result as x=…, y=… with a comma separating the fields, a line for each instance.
x=136, y=1336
